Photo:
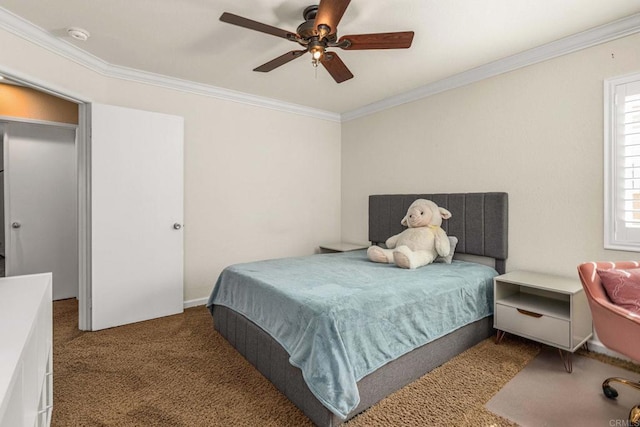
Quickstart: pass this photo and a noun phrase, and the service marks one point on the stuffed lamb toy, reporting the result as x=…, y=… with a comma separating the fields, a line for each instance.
x=421, y=243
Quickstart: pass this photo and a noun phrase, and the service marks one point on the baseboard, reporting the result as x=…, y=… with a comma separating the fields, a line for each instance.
x=596, y=346
x=195, y=302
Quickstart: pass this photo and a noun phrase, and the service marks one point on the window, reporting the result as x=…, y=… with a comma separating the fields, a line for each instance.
x=622, y=163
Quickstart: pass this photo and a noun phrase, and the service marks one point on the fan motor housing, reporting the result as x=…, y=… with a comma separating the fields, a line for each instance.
x=307, y=29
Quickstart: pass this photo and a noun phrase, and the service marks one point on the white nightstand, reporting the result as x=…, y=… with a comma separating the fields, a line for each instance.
x=342, y=247
x=549, y=309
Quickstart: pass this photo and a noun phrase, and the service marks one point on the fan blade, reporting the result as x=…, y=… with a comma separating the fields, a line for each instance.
x=230, y=18
x=280, y=60
x=336, y=67
x=400, y=40
x=330, y=13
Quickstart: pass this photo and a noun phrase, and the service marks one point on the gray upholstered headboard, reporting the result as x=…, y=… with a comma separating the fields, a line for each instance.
x=479, y=221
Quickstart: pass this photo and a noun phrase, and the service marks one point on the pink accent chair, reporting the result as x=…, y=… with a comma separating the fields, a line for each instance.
x=618, y=329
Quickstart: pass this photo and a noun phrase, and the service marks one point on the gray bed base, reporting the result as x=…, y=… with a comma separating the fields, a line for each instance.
x=479, y=221
x=263, y=352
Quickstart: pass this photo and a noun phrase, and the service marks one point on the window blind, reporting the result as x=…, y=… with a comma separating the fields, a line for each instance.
x=624, y=166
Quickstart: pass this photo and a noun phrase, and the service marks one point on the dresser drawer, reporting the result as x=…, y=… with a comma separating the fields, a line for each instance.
x=528, y=324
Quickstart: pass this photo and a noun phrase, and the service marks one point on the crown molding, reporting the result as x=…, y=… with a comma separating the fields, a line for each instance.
x=597, y=35
x=22, y=28
x=216, y=92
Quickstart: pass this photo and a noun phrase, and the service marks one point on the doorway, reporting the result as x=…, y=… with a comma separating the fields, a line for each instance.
x=39, y=185
x=40, y=206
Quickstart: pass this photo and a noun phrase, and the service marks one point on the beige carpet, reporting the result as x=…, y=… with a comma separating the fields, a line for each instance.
x=544, y=394
x=177, y=371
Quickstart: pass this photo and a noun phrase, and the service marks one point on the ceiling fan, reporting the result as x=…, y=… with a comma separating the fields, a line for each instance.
x=317, y=33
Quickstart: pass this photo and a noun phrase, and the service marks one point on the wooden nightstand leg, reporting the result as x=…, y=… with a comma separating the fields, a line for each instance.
x=499, y=336
x=567, y=360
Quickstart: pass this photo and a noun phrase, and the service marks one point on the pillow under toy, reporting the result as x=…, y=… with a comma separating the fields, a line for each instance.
x=622, y=287
x=453, y=241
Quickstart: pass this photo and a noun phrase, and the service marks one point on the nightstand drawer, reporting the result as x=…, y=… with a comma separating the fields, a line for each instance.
x=529, y=324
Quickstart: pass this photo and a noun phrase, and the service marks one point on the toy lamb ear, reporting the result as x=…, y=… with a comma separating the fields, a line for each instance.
x=445, y=214
x=404, y=221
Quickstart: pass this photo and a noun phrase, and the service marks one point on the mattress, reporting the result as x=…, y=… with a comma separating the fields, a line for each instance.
x=341, y=317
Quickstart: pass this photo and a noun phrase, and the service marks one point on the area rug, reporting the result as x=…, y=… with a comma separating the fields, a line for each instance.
x=544, y=394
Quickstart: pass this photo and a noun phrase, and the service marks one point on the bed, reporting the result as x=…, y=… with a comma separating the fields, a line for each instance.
x=335, y=335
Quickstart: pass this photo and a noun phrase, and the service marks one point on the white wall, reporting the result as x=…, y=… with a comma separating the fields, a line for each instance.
x=258, y=183
x=536, y=133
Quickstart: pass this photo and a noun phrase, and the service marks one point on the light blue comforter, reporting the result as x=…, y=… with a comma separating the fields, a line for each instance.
x=341, y=316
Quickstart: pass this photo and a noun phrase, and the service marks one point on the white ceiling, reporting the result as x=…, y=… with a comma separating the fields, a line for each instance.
x=184, y=39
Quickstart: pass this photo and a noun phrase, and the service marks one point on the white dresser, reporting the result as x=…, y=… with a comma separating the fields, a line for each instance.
x=26, y=351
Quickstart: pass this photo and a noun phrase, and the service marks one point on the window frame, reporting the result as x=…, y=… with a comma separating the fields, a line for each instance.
x=612, y=240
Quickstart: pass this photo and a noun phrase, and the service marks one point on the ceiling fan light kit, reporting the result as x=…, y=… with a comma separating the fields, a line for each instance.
x=317, y=33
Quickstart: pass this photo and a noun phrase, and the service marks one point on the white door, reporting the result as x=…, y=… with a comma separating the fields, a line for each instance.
x=41, y=228
x=136, y=215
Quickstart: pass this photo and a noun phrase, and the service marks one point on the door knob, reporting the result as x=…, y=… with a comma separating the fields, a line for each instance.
x=177, y=226
x=16, y=224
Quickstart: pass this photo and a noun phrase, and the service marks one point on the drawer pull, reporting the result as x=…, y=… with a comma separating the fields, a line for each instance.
x=529, y=313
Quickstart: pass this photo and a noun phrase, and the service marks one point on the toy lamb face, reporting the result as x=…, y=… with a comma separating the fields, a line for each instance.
x=421, y=243
x=423, y=213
